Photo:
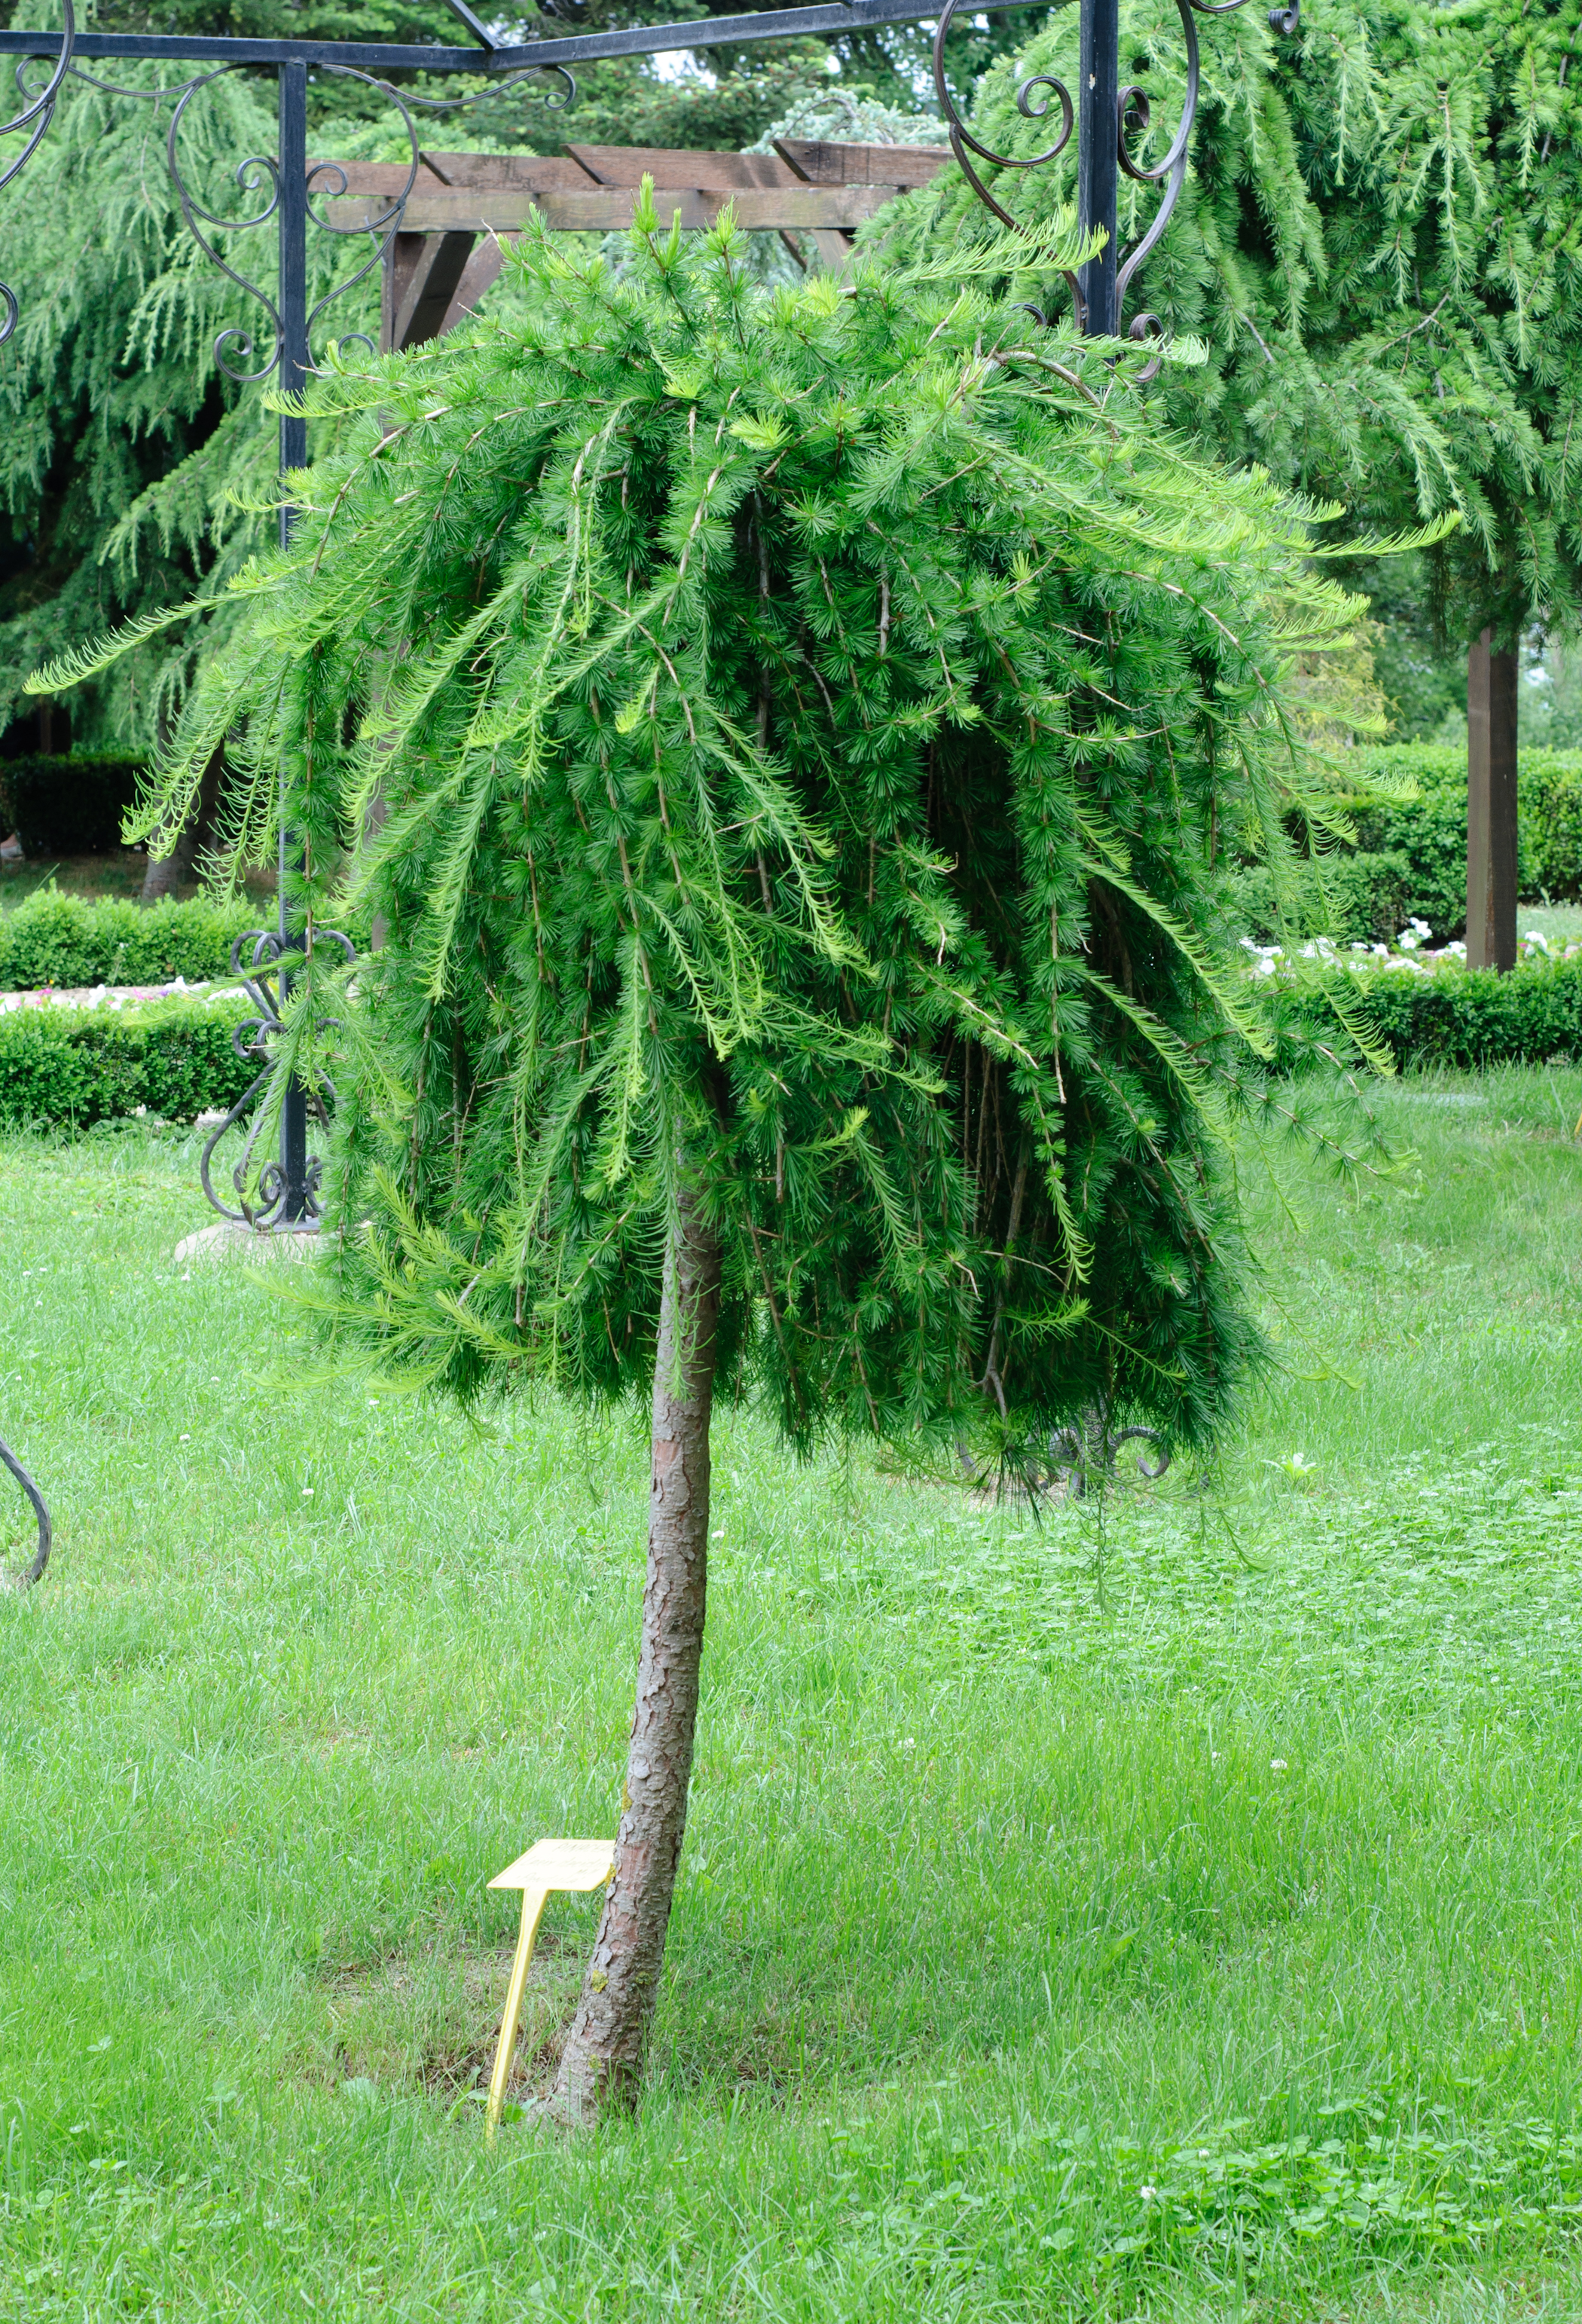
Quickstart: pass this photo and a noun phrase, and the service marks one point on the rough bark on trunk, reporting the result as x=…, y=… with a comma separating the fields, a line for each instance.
x=166, y=873
x=603, y=2057
x=1491, y=805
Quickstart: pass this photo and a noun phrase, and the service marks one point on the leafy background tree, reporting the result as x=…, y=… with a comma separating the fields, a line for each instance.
x=808, y=725
x=1376, y=246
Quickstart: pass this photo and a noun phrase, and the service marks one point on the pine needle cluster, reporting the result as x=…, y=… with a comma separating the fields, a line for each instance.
x=1376, y=248
x=786, y=738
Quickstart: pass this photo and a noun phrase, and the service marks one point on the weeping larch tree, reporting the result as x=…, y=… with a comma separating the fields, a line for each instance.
x=805, y=726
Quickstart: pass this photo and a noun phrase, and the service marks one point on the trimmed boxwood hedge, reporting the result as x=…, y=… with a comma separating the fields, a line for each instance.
x=68, y=804
x=64, y=940
x=1411, y=860
x=1470, y=1017
x=71, y=1067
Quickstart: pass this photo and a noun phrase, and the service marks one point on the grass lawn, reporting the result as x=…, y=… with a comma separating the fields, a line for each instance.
x=1179, y=1922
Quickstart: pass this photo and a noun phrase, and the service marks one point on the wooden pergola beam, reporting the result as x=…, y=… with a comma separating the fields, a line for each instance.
x=434, y=273
x=603, y=209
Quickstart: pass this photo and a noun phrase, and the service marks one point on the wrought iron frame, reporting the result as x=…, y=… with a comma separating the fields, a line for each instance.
x=261, y=959
x=33, y=1570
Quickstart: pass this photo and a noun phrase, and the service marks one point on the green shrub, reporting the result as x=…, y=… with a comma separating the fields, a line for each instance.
x=68, y=805
x=1550, y=805
x=64, y=940
x=1369, y=899
x=1469, y=1018
x=72, y=1067
x=1410, y=861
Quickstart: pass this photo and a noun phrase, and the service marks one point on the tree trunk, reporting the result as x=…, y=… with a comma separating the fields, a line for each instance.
x=1491, y=805
x=603, y=2057
x=166, y=873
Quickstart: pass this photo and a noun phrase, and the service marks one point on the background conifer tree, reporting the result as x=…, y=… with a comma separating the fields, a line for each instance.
x=808, y=725
x=1375, y=245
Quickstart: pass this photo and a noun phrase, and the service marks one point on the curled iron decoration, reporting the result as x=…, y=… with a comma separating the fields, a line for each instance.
x=961, y=137
x=497, y=87
x=40, y=1558
x=253, y=175
x=1080, y=1457
x=1131, y=103
x=259, y=958
x=1132, y=120
x=37, y=111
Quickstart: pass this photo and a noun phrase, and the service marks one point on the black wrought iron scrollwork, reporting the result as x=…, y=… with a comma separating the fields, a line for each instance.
x=1132, y=121
x=29, y=124
x=1082, y=1458
x=259, y=958
x=41, y=1557
x=961, y=137
x=497, y=87
x=253, y=175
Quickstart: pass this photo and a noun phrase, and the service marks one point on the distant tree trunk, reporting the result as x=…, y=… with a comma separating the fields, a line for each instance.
x=166, y=873
x=603, y=2057
x=1491, y=805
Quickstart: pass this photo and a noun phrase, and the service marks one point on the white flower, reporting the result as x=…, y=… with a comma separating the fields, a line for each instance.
x=1278, y=1765
x=185, y=1437
x=1149, y=2194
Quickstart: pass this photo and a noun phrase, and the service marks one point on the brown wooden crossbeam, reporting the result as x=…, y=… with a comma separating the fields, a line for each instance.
x=603, y=208
x=434, y=274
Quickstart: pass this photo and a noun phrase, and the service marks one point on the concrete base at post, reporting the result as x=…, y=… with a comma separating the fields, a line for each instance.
x=230, y=1240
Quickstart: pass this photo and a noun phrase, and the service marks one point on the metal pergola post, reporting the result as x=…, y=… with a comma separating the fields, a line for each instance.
x=292, y=220
x=1098, y=163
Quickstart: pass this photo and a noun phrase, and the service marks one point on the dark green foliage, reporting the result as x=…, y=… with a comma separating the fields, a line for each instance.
x=67, y=805
x=1410, y=857
x=1362, y=898
x=1549, y=786
x=804, y=723
x=119, y=438
x=1469, y=1018
x=72, y=1067
x=64, y=940
x=1376, y=246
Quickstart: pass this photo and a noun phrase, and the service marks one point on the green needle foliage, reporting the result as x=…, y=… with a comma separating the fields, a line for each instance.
x=798, y=731
x=1376, y=246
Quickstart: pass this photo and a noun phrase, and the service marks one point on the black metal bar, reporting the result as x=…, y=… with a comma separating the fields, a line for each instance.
x=371, y=55
x=1097, y=161
x=576, y=47
x=474, y=24
x=291, y=218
